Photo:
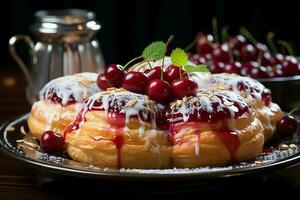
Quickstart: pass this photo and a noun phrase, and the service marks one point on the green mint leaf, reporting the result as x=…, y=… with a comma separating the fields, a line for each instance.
x=179, y=57
x=154, y=51
x=198, y=68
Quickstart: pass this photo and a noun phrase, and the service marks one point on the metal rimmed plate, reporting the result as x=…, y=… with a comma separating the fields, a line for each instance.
x=10, y=138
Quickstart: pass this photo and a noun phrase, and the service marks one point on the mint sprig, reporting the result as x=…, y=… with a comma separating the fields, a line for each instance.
x=154, y=51
x=197, y=68
x=179, y=58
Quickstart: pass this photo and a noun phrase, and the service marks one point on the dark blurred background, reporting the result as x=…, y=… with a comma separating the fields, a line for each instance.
x=130, y=25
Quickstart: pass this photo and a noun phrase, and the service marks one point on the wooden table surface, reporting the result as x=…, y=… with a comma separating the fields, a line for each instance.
x=20, y=181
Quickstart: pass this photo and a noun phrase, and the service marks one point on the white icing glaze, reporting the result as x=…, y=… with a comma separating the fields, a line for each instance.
x=204, y=101
x=131, y=105
x=79, y=86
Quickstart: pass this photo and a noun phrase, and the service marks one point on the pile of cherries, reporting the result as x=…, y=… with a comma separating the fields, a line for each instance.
x=239, y=56
x=161, y=86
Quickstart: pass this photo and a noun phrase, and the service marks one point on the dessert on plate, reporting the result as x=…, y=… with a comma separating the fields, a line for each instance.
x=163, y=112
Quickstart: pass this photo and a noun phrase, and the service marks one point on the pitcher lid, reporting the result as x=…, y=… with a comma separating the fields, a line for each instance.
x=65, y=21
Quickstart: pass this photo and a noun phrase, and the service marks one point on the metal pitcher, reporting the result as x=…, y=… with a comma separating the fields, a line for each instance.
x=64, y=44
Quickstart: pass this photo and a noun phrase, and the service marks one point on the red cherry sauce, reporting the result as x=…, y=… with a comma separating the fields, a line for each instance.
x=55, y=99
x=114, y=105
x=195, y=112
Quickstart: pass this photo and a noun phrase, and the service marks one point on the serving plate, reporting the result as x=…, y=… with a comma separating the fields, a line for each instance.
x=12, y=135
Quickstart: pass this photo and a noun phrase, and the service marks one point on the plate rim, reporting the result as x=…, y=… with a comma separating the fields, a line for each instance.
x=288, y=162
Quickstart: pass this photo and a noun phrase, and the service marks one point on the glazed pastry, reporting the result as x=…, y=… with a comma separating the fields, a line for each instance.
x=213, y=128
x=255, y=94
x=60, y=100
x=117, y=128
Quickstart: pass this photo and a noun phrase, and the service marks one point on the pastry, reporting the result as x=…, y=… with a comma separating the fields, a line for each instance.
x=213, y=128
x=117, y=128
x=60, y=100
x=255, y=94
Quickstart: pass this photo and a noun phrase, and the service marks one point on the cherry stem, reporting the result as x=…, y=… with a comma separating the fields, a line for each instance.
x=225, y=33
x=163, y=60
x=230, y=53
x=270, y=42
x=287, y=46
x=191, y=44
x=215, y=29
x=248, y=35
x=259, y=58
x=149, y=64
x=293, y=110
x=131, y=61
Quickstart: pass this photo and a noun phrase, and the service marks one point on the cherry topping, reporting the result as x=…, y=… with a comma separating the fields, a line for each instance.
x=237, y=42
x=114, y=74
x=102, y=82
x=286, y=126
x=278, y=58
x=221, y=54
x=291, y=65
x=135, y=82
x=217, y=67
x=233, y=67
x=160, y=91
x=248, y=53
x=260, y=72
x=172, y=73
x=154, y=73
x=266, y=96
x=184, y=87
x=52, y=142
x=267, y=59
x=204, y=44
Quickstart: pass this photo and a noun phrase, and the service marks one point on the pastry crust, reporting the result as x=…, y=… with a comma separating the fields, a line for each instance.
x=209, y=150
x=46, y=115
x=60, y=101
x=104, y=139
x=251, y=90
x=93, y=144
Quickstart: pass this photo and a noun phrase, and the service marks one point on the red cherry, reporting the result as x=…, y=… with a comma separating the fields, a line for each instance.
x=114, y=74
x=266, y=96
x=184, y=87
x=237, y=42
x=52, y=142
x=247, y=67
x=197, y=59
x=102, y=82
x=218, y=67
x=248, y=53
x=286, y=126
x=154, y=73
x=261, y=47
x=233, y=67
x=221, y=54
x=160, y=91
x=204, y=44
x=278, y=58
x=267, y=59
x=260, y=72
x=291, y=66
x=172, y=73
x=278, y=71
x=135, y=82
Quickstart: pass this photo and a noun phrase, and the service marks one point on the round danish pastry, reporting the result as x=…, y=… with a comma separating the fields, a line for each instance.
x=60, y=100
x=117, y=128
x=255, y=94
x=213, y=128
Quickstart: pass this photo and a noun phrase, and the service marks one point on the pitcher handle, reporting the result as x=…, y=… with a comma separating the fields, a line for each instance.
x=12, y=48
